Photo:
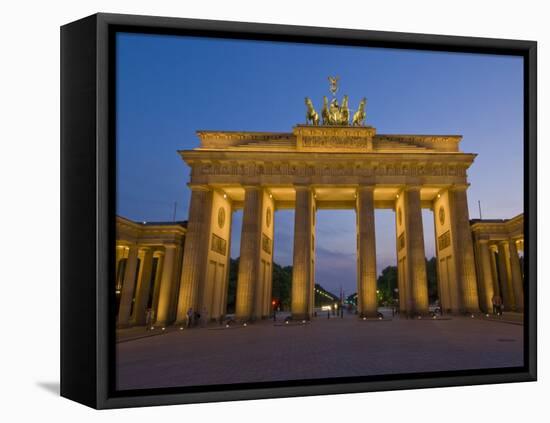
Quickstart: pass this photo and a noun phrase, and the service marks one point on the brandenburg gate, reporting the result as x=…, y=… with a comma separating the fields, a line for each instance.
x=327, y=163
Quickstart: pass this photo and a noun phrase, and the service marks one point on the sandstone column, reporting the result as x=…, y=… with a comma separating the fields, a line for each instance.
x=367, y=300
x=120, y=250
x=166, y=285
x=302, y=271
x=249, y=272
x=156, y=284
x=517, y=280
x=128, y=287
x=464, y=251
x=487, y=284
x=505, y=285
x=496, y=285
x=416, y=256
x=143, y=288
x=195, y=254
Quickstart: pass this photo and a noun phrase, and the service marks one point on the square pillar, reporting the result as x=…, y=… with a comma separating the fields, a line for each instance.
x=214, y=286
x=366, y=250
x=302, y=297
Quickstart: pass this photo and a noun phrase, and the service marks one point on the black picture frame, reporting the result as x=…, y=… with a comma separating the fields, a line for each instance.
x=88, y=208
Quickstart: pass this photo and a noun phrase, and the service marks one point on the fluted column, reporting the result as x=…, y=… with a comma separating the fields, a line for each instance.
x=496, y=286
x=166, y=285
x=128, y=287
x=487, y=284
x=517, y=280
x=464, y=250
x=156, y=284
x=505, y=283
x=414, y=236
x=143, y=287
x=301, y=271
x=195, y=253
x=367, y=300
x=249, y=272
x=120, y=250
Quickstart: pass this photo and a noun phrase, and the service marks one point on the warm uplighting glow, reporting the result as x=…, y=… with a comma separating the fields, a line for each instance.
x=163, y=328
x=364, y=318
x=325, y=308
x=396, y=195
x=438, y=195
x=226, y=326
x=225, y=196
x=181, y=328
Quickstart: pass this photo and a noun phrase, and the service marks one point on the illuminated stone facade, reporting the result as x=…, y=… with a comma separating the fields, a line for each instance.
x=499, y=246
x=148, y=268
x=311, y=168
x=327, y=167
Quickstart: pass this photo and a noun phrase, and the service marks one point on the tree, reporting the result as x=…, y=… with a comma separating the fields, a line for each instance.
x=386, y=285
x=281, y=286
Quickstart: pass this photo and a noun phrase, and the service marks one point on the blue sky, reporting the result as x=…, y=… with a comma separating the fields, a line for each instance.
x=170, y=86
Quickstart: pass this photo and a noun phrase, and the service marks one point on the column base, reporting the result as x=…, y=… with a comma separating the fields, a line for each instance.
x=369, y=315
x=300, y=316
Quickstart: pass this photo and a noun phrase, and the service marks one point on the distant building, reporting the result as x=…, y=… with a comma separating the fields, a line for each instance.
x=499, y=247
x=148, y=271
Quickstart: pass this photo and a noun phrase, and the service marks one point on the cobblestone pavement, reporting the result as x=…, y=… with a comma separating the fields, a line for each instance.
x=323, y=348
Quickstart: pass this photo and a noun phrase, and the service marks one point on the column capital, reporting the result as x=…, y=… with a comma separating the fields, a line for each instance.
x=170, y=245
x=251, y=187
x=198, y=187
x=459, y=187
x=365, y=187
x=302, y=187
x=415, y=187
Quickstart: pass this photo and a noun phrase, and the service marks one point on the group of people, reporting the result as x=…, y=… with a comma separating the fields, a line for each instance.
x=196, y=317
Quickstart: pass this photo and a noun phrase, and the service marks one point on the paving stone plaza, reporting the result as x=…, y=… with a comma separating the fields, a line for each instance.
x=268, y=351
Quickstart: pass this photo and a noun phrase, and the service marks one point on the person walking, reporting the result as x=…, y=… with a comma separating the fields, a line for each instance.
x=497, y=304
x=189, y=317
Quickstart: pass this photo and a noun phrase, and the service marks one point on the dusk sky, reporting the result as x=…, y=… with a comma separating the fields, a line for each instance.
x=168, y=87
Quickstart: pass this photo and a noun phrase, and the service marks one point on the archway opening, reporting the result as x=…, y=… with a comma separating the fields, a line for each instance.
x=281, y=288
x=386, y=259
x=235, y=251
x=335, y=272
x=434, y=287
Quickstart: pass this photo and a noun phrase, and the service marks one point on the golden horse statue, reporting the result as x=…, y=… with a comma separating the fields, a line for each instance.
x=311, y=115
x=344, y=112
x=360, y=115
x=324, y=113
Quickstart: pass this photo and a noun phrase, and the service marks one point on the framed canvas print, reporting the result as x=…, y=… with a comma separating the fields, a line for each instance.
x=255, y=211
